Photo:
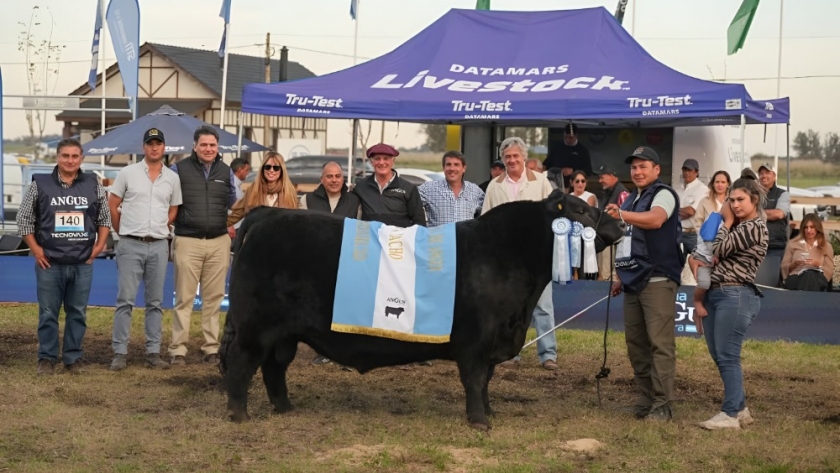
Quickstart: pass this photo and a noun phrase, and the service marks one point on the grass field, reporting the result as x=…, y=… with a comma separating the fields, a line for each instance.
x=408, y=421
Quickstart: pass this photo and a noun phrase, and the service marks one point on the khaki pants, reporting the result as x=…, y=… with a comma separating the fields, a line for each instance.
x=649, y=332
x=204, y=261
x=606, y=261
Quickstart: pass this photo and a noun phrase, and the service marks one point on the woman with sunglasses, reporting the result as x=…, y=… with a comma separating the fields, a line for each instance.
x=578, y=180
x=272, y=188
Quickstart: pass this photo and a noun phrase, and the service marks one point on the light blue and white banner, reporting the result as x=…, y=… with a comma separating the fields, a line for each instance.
x=94, y=48
x=123, y=17
x=396, y=282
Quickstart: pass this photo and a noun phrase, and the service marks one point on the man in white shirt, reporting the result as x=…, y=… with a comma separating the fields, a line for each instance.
x=691, y=193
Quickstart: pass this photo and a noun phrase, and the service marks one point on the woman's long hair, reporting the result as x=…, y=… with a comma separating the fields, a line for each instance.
x=818, y=226
x=757, y=194
x=712, y=184
x=255, y=196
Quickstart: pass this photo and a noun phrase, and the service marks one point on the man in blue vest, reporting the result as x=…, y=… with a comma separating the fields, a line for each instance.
x=65, y=220
x=648, y=263
x=201, y=248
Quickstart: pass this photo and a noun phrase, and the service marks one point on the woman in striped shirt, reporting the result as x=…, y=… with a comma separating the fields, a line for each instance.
x=733, y=299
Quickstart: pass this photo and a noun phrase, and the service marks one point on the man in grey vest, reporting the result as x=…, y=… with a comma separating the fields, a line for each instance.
x=65, y=221
x=332, y=197
x=144, y=201
x=201, y=249
x=777, y=208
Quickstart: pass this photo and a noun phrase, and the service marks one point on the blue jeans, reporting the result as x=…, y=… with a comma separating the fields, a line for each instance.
x=689, y=243
x=543, y=321
x=140, y=261
x=68, y=284
x=731, y=311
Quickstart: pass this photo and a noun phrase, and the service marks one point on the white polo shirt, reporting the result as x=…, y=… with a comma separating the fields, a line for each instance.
x=690, y=196
x=145, y=205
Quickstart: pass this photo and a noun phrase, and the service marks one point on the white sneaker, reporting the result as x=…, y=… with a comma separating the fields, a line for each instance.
x=744, y=417
x=720, y=421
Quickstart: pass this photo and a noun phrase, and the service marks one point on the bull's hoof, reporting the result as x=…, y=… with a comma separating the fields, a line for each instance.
x=283, y=408
x=482, y=426
x=239, y=416
x=489, y=412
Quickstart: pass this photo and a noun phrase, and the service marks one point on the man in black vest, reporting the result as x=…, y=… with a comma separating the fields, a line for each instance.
x=331, y=197
x=201, y=248
x=648, y=264
x=777, y=208
x=385, y=196
x=65, y=220
x=614, y=192
x=569, y=156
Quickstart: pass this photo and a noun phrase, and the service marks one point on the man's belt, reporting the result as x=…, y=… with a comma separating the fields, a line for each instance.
x=689, y=230
x=146, y=239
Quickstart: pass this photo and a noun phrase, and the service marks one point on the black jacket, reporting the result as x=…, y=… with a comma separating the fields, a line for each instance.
x=610, y=196
x=399, y=204
x=348, y=203
x=204, y=211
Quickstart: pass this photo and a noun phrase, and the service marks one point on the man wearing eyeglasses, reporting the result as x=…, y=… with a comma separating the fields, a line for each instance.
x=201, y=248
x=385, y=196
x=65, y=221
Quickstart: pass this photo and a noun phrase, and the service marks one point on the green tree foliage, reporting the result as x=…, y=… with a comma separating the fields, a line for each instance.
x=831, y=149
x=435, y=137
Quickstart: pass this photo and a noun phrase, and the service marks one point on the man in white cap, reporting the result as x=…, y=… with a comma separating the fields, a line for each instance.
x=777, y=208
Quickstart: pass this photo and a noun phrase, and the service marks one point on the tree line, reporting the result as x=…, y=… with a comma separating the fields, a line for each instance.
x=809, y=145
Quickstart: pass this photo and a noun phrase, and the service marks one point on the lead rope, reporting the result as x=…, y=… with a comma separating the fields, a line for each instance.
x=605, y=371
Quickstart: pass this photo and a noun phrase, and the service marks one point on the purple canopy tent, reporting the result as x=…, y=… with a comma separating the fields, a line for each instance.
x=517, y=68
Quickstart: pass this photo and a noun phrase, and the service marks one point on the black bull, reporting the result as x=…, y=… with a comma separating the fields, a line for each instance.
x=283, y=280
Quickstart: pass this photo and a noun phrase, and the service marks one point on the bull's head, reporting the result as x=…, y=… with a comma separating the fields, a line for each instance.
x=608, y=229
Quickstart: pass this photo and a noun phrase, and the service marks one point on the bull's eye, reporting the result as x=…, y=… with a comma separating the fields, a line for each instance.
x=559, y=206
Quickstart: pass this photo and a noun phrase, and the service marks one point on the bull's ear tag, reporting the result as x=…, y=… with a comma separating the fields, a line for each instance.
x=559, y=206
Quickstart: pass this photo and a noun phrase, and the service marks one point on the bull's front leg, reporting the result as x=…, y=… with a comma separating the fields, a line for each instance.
x=485, y=396
x=474, y=378
x=240, y=368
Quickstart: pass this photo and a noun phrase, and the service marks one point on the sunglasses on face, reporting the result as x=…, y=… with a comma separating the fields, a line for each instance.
x=269, y=167
x=580, y=181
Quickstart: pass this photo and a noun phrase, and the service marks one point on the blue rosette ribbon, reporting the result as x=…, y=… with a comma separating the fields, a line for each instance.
x=575, y=245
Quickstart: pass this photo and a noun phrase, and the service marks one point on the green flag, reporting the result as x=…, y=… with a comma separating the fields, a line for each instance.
x=482, y=4
x=736, y=34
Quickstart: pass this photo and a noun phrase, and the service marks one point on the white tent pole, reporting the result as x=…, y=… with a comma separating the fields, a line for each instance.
x=633, y=20
x=779, y=81
x=239, y=135
x=743, y=137
x=103, y=46
x=351, y=153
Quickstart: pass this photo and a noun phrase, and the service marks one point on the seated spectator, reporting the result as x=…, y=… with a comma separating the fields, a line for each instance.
x=578, y=180
x=534, y=164
x=808, y=263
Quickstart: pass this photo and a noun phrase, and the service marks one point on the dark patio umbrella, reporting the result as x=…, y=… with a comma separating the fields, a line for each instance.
x=176, y=126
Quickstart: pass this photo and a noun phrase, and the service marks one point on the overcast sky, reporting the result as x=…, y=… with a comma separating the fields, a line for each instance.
x=689, y=36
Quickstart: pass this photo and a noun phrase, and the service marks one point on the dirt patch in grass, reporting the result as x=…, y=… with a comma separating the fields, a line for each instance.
x=407, y=421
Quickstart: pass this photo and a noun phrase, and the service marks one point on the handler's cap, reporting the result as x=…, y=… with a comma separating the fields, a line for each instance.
x=382, y=148
x=605, y=169
x=692, y=164
x=570, y=129
x=767, y=166
x=153, y=134
x=643, y=152
x=748, y=173
x=498, y=164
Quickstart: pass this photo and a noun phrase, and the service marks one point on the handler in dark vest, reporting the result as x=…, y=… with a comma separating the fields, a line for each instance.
x=331, y=197
x=385, y=196
x=648, y=263
x=201, y=248
x=777, y=208
x=65, y=221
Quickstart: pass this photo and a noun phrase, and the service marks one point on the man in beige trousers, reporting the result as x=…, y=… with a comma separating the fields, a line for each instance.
x=201, y=250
